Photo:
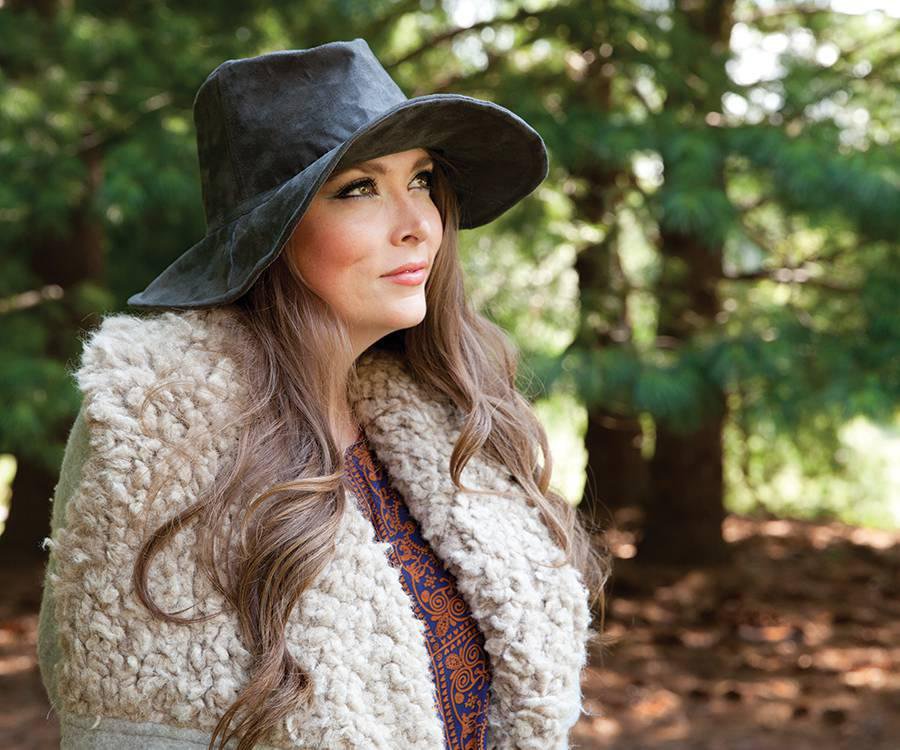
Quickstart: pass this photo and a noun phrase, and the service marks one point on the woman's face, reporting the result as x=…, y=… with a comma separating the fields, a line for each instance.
x=362, y=224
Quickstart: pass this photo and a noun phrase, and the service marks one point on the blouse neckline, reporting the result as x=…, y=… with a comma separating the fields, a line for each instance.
x=356, y=444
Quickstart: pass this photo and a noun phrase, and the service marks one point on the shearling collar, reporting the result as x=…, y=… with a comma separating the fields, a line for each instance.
x=534, y=617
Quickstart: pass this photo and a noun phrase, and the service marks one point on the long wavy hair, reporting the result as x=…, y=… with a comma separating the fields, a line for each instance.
x=283, y=497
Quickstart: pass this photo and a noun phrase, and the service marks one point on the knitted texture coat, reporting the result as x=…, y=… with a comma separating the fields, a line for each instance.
x=119, y=678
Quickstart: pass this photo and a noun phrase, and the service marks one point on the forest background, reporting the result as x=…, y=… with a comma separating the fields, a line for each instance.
x=704, y=290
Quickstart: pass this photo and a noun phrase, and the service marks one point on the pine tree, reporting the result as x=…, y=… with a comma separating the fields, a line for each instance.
x=766, y=221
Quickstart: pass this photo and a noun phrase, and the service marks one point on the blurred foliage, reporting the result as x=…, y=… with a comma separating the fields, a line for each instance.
x=807, y=337
x=793, y=171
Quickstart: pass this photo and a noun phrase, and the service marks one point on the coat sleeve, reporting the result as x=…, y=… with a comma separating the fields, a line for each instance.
x=79, y=732
x=74, y=457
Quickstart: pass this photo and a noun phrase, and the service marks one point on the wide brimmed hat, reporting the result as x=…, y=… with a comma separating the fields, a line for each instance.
x=272, y=128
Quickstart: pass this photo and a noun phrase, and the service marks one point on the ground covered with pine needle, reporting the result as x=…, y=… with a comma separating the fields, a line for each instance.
x=796, y=647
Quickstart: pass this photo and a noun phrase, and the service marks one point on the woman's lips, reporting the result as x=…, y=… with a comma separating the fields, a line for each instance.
x=408, y=278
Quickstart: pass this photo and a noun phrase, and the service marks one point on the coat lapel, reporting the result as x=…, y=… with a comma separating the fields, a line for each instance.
x=535, y=618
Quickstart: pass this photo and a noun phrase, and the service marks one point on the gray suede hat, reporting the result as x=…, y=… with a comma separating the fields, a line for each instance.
x=272, y=128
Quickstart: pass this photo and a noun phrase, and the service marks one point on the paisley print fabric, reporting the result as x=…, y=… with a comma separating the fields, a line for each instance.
x=459, y=663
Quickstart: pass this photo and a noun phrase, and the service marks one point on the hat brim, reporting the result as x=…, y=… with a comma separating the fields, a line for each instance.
x=498, y=159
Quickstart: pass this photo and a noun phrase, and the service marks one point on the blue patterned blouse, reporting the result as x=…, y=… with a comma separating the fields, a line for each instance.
x=459, y=663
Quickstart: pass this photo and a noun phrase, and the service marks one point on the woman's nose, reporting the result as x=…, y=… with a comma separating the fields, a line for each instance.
x=412, y=219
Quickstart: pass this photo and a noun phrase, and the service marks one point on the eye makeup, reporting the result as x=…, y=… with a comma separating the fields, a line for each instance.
x=365, y=181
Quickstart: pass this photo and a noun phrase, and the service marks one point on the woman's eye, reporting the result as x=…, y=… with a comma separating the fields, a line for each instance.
x=369, y=183
x=358, y=185
x=427, y=174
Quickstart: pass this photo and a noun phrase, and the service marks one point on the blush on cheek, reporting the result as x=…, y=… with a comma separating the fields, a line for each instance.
x=328, y=253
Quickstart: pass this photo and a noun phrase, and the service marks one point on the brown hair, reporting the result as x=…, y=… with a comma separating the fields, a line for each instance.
x=283, y=496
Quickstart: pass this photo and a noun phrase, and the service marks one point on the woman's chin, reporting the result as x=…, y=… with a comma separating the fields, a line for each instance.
x=405, y=313
x=408, y=321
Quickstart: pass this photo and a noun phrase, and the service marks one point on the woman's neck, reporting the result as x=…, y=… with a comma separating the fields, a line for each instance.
x=348, y=434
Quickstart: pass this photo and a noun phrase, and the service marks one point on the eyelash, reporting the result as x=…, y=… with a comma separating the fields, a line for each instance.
x=343, y=193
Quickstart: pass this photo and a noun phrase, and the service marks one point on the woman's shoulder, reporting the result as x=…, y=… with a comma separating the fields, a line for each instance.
x=161, y=341
x=161, y=377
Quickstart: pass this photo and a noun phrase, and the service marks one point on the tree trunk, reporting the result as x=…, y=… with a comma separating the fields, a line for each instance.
x=684, y=508
x=685, y=502
x=616, y=474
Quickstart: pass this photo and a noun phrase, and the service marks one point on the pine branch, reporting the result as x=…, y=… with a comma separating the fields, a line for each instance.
x=24, y=300
x=830, y=258
x=383, y=24
x=451, y=82
x=451, y=34
x=791, y=275
x=801, y=9
x=123, y=131
x=885, y=64
x=882, y=36
x=796, y=274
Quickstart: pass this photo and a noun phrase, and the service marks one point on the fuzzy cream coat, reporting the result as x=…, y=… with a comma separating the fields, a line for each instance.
x=120, y=679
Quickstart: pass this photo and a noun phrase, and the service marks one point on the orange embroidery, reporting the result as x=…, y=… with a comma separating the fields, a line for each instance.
x=459, y=664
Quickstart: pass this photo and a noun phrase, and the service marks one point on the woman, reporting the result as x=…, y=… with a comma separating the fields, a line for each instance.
x=318, y=453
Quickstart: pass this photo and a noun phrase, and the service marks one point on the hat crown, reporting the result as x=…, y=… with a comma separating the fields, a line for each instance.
x=261, y=120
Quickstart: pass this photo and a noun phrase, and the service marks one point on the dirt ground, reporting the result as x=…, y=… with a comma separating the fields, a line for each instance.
x=796, y=648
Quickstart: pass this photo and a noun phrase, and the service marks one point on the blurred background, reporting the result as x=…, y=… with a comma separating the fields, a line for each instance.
x=704, y=292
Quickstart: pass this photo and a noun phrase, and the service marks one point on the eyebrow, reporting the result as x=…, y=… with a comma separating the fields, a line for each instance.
x=375, y=167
